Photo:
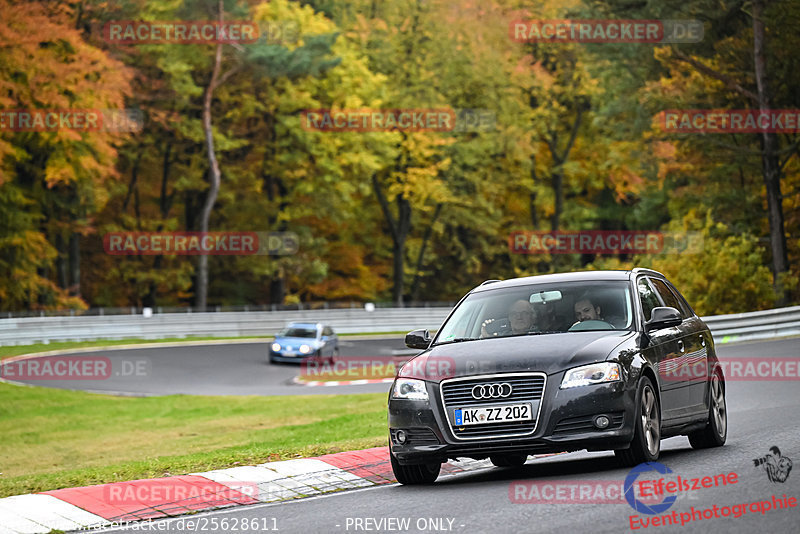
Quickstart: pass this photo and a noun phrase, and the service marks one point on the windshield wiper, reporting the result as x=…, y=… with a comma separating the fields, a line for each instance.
x=532, y=333
x=457, y=340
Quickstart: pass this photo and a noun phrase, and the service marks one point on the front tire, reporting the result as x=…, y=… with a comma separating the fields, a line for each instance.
x=716, y=431
x=646, y=444
x=410, y=475
x=509, y=460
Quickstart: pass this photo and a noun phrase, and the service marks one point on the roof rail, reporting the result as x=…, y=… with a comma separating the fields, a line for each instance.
x=644, y=270
x=490, y=282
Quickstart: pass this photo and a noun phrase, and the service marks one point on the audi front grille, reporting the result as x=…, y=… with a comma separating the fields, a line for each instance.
x=525, y=387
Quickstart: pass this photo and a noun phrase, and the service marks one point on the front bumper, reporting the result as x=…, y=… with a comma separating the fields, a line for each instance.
x=565, y=423
x=290, y=358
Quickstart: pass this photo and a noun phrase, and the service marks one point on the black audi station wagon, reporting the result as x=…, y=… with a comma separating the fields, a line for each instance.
x=602, y=360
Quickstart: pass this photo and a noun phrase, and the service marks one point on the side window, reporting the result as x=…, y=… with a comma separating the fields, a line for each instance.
x=668, y=296
x=648, y=297
x=686, y=310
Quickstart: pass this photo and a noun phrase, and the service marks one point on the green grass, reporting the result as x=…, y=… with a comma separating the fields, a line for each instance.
x=54, y=438
x=17, y=350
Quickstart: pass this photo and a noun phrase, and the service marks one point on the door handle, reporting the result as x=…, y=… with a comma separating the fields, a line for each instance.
x=680, y=346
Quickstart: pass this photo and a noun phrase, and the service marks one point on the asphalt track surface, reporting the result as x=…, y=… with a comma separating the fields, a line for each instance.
x=761, y=414
x=220, y=369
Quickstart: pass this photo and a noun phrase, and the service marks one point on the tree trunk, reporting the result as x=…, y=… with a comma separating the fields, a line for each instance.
x=421, y=256
x=75, y=265
x=557, y=183
x=61, y=262
x=404, y=226
x=277, y=290
x=399, y=228
x=769, y=158
x=201, y=300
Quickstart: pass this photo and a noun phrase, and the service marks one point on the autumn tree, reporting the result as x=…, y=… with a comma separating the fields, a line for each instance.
x=53, y=181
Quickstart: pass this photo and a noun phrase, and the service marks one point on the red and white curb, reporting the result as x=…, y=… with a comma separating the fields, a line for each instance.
x=301, y=382
x=95, y=506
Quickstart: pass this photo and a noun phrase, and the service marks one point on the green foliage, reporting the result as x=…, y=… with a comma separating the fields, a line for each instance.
x=726, y=274
x=576, y=144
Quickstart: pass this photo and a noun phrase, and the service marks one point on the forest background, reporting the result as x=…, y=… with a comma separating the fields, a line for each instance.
x=393, y=216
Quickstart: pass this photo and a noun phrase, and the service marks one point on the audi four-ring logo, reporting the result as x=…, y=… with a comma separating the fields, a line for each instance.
x=491, y=391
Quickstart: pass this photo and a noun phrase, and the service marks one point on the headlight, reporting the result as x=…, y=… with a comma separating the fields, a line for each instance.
x=596, y=373
x=409, y=388
x=276, y=347
x=305, y=349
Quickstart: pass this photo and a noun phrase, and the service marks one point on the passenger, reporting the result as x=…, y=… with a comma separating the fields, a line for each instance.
x=520, y=321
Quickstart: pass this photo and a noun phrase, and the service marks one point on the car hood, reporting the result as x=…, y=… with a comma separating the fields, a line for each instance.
x=547, y=353
x=295, y=341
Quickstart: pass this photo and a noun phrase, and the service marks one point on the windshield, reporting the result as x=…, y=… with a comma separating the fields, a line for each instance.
x=540, y=308
x=295, y=331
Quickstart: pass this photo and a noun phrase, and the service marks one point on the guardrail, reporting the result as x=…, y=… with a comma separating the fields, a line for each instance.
x=755, y=325
x=28, y=330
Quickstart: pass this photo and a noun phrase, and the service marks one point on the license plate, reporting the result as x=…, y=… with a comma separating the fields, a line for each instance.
x=493, y=414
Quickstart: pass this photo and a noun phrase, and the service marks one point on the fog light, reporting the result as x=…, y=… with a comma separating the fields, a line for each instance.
x=400, y=436
x=602, y=421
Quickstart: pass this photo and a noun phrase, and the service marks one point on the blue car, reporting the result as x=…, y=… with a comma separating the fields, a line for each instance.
x=304, y=340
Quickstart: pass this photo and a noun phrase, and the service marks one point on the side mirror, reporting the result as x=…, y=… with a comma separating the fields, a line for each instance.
x=663, y=317
x=418, y=339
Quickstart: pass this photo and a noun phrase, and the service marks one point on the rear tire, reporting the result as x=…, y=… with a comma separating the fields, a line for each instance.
x=716, y=431
x=410, y=475
x=646, y=444
x=509, y=460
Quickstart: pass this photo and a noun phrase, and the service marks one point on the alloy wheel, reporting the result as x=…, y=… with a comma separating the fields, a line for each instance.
x=718, y=407
x=650, y=420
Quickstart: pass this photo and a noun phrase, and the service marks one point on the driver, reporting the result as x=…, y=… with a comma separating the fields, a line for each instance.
x=587, y=310
x=520, y=320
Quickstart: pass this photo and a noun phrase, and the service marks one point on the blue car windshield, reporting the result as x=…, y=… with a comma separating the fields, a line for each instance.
x=540, y=309
x=298, y=332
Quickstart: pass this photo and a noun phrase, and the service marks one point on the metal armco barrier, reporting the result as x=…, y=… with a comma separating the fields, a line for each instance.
x=28, y=330
x=755, y=325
